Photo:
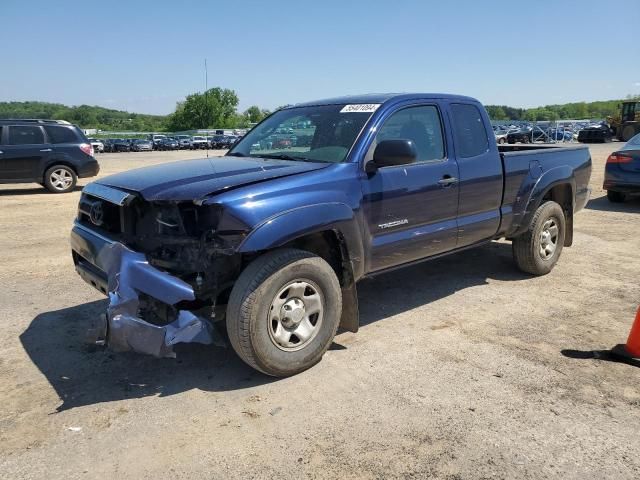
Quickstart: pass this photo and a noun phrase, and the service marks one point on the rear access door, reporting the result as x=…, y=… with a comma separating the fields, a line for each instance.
x=480, y=173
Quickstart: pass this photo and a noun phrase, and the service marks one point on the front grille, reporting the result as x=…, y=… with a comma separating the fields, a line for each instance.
x=97, y=213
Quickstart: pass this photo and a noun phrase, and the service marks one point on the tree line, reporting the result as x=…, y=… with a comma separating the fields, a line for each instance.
x=218, y=108
x=566, y=111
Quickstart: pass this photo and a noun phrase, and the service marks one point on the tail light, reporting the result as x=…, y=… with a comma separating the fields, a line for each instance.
x=618, y=158
x=87, y=148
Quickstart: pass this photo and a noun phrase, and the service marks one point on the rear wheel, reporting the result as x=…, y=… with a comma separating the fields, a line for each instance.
x=616, y=197
x=628, y=132
x=284, y=311
x=60, y=179
x=538, y=249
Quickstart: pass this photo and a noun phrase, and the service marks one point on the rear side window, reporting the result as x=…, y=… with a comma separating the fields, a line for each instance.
x=25, y=135
x=468, y=130
x=61, y=134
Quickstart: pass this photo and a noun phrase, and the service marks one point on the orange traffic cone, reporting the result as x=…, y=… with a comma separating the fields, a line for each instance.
x=632, y=348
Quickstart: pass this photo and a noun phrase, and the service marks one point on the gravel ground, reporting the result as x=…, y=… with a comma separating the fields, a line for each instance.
x=464, y=368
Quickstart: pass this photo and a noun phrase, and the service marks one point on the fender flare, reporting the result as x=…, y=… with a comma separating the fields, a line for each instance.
x=561, y=175
x=284, y=227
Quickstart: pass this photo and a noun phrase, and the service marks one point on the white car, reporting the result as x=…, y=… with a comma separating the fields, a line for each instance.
x=199, y=142
x=97, y=145
x=501, y=137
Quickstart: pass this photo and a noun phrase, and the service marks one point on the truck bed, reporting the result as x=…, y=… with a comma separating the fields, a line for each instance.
x=525, y=165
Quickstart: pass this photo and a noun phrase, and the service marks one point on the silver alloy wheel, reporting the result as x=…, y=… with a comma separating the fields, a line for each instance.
x=295, y=315
x=548, y=238
x=61, y=179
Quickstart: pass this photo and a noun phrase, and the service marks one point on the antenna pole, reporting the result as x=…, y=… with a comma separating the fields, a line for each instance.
x=206, y=96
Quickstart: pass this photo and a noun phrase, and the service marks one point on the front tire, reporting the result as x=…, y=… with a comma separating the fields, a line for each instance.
x=284, y=311
x=537, y=250
x=60, y=179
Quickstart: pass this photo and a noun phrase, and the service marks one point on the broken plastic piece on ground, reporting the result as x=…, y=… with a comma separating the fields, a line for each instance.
x=128, y=273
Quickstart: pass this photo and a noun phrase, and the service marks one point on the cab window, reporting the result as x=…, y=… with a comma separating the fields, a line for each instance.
x=468, y=130
x=421, y=125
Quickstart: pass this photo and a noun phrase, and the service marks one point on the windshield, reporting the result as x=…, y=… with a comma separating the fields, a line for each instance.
x=323, y=133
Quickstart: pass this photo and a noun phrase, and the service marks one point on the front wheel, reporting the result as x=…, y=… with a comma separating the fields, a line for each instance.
x=60, y=179
x=284, y=311
x=537, y=250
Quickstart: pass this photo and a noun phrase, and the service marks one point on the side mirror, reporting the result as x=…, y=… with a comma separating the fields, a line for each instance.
x=390, y=153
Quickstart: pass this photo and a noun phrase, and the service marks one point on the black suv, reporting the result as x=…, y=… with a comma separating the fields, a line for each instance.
x=53, y=153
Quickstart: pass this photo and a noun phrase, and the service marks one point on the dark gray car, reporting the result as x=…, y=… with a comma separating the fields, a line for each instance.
x=52, y=153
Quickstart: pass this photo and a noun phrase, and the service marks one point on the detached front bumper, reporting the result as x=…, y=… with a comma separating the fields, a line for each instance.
x=122, y=275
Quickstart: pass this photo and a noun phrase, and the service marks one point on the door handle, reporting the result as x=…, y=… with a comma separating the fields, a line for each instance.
x=45, y=150
x=447, y=181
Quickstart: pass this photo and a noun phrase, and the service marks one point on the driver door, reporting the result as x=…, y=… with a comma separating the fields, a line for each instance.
x=410, y=210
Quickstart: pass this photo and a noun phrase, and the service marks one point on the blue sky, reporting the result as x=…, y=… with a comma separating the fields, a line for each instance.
x=143, y=56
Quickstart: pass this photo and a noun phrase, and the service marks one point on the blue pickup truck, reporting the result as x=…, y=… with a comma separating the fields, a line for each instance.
x=270, y=240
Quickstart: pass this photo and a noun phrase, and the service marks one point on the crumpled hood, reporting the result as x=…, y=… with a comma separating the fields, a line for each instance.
x=195, y=179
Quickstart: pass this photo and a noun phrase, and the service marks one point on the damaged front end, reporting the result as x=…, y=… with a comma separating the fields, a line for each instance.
x=163, y=267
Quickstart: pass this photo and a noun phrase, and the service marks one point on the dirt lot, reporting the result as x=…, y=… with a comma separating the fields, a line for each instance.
x=457, y=372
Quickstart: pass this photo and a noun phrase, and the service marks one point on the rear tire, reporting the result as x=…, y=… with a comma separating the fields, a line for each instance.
x=616, y=197
x=60, y=179
x=279, y=284
x=537, y=250
x=628, y=132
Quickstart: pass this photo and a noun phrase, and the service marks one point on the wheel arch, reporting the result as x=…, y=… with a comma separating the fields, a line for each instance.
x=58, y=161
x=558, y=185
x=329, y=231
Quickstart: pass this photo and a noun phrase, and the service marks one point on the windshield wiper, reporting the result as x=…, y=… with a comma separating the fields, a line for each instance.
x=284, y=156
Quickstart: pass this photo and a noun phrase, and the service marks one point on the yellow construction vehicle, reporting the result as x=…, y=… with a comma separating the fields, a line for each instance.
x=627, y=124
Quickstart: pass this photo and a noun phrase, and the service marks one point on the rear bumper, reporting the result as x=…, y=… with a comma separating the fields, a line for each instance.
x=122, y=275
x=622, y=187
x=621, y=181
x=89, y=169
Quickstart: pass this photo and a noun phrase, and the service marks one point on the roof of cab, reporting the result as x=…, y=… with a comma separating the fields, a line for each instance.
x=383, y=98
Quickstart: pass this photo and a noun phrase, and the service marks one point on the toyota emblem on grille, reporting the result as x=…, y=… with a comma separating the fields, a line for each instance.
x=97, y=213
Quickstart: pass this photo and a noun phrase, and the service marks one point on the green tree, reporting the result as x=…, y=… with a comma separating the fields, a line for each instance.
x=496, y=112
x=214, y=108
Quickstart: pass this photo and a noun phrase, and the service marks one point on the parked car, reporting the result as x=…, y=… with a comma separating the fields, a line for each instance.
x=501, y=137
x=98, y=146
x=108, y=144
x=227, y=142
x=139, y=145
x=217, y=141
x=524, y=135
x=121, y=145
x=595, y=133
x=622, y=171
x=52, y=153
x=156, y=138
x=184, y=141
x=273, y=243
x=169, y=143
x=199, y=142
